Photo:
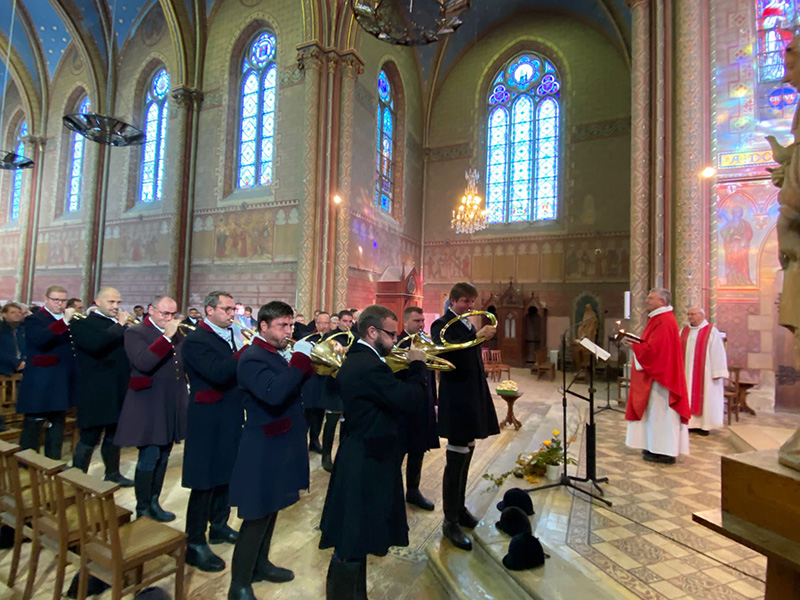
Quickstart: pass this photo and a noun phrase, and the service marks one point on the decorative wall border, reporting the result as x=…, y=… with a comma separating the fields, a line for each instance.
x=601, y=129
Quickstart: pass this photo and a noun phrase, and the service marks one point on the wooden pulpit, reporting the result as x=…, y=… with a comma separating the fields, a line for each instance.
x=398, y=289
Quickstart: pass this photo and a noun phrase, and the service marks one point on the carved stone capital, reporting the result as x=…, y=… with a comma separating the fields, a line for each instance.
x=35, y=141
x=352, y=64
x=186, y=97
x=310, y=56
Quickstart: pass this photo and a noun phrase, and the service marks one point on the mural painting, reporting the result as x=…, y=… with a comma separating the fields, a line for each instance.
x=9, y=250
x=141, y=242
x=60, y=247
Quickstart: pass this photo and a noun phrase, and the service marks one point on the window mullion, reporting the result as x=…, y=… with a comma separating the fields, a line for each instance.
x=534, y=147
x=509, y=147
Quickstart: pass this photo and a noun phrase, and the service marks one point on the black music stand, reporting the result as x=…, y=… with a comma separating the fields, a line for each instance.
x=608, y=383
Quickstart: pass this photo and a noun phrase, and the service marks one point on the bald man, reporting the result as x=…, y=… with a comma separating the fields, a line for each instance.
x=706, y=365
x=103, y=371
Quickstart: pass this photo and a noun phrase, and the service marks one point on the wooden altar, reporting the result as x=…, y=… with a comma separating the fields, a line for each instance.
x=521, y=324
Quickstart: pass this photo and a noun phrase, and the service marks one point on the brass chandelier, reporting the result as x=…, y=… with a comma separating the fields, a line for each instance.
x=409, y=22
x=469, y=216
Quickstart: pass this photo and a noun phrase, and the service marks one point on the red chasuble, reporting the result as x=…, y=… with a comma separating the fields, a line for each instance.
x=699, y=365
x=661, y=358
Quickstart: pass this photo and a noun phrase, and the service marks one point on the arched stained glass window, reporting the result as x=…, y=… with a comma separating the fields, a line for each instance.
x=774, y=99
x=155, y=132
x=76, y=165
x=523, y=142
x=257, y=124
x=16, y=188
x=384, y=160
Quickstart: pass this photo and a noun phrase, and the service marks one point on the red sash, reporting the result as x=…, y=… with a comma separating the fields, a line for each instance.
x=698, y=365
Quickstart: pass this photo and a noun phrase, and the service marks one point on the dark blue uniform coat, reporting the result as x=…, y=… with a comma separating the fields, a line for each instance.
x=11, y=340
x=272, y=463
x=322, y=391
x=216, y=409
x=365, y=509
x=419, y=428
x=103, y=369
x=154, y=412
x=48, y=381
x=466, y=410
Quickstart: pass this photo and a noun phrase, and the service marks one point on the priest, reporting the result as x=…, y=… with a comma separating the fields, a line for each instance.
x=658, y=404
x=706, y=368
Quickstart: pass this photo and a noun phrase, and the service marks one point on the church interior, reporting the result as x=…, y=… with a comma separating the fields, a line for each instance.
x=289, y=154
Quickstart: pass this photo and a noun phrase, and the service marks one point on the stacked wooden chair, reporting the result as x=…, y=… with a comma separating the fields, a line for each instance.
x=731, y=393
x=543, y=366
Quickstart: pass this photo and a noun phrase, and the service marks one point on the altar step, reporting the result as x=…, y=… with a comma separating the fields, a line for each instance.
x=750, y=438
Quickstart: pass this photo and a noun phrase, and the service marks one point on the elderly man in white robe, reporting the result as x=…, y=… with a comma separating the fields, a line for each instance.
x=706, y=365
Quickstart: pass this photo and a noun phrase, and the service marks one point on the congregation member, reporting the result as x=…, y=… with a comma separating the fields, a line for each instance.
x=76, y=304
x=213, y=429
x=153, y=415
x=102, y=381
x=419, y=433
x=12, y=339
x=138, y=313
x=316, y=386
x=331, y=399
x=466, y=410
x=248, y=315
x=47, y=389
x=658, y=404
x=364, y=511
x=706, y=368
x=192, y=317
x=272, y=462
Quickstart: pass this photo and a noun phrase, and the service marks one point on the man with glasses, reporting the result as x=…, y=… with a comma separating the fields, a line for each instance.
x=364, y=511
x=48, y=381
x=153, y=416
x=214, y=427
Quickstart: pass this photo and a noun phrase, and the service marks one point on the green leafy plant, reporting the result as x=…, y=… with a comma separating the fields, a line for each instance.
x=532, y=465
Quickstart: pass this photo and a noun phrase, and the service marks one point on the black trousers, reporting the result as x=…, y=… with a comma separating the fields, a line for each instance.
x=54, y=437
x=206, y=506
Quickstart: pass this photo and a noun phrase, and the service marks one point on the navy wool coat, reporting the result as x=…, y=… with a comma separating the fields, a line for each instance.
x=466, y=410
x=216, y=409
x=48, y=381
x=11, y=340
x=419, y=428
x=272, y=463
x=365, y=509
x=103, y=369
x=154, y=412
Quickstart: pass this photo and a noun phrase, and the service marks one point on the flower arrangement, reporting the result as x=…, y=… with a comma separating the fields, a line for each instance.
x=532, y=465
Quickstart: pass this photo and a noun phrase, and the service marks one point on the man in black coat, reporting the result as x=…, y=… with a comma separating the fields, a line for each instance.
x=47, y=389
x=103, y=373
x=213, y=429
x=12, y=339
x=272, y=463
x=420, y=427
x=153, y=415
x=364, y=511
x=466, y=410
x=316, y=386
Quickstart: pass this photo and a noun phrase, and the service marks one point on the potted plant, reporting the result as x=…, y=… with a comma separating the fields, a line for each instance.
x=546, y=462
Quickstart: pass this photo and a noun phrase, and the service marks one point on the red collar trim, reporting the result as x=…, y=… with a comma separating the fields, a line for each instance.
x=265, y=345
x=203, y=325
x=148, y=322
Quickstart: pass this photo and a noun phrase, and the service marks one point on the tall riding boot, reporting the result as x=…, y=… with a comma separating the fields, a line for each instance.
x=82, y=456
x=110, y=454
x=198, y=554
x=328, y=433
x=314, y=418
x=156, y=512
x=245, y=558
x=342, y=578
x=361, y=581
x=466, y=518
x=220, y=532
x=265, y=570
x=451, y=499
x=143, y=486
x=413, y=475
x=31, y=430
x=54, y=437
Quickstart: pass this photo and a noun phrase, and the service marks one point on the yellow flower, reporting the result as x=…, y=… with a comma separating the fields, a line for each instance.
x=546, y=443
x=556, y=432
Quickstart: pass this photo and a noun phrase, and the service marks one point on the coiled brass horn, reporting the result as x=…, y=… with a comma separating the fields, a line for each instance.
x=398, y=360
x=327, y=355
x=462, y=345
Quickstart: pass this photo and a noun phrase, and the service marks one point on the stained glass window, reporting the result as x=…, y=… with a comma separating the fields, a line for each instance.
x=155, y=137
x=16, y=186
x=257, y=125
x=774, y=20
x=523, y=142
x=384, y=155
x=76, y=165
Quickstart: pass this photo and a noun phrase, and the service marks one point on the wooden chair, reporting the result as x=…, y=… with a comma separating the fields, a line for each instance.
x=488, y=366
x=56, y=524
x=16, y=502
x=109, y=551
x=543, y=366
x=496, y=359
x=731, y=393
x=9, y=386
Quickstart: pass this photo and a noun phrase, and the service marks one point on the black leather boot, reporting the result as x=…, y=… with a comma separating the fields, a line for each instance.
x=203, y=558
x=245, y=557
x=82, y=457
x=220, y=532
x=156, y=512
x=143, y=486
x=265, y=570
x=451, y=499
x=361, y=581
x=314, y=417
x=466, y=518
x=31, y=430
x=413, y=475
x=328, y=433
x=110, y=454
x=341, y=581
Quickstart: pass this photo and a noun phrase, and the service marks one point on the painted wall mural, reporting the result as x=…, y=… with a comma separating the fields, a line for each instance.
x=9, y=250
x=58, y=247
x=143, y=242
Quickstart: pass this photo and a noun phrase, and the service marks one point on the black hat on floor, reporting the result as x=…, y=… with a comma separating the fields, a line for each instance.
x=524, y=552
x=513, y=520
x=516, y=497
x=152, y=593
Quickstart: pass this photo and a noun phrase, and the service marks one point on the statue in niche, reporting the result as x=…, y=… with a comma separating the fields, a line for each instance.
x=587, y=329
x=736, y=237
x=787, y=177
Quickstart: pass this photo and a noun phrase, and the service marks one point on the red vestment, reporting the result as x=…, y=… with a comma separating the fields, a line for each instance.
x=661, y=358
x=699, y=365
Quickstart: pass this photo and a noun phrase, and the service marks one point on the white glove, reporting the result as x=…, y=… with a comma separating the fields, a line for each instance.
x=303, y=347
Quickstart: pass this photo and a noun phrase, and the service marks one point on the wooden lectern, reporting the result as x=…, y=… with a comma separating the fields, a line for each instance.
x=760, y=510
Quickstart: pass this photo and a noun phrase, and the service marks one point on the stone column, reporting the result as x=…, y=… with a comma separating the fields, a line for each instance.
x=94, y=192
x=351, y=67
x=182, y=140
x=29, y=222
x=691, y=151
x=640, y=161
x=310, y=60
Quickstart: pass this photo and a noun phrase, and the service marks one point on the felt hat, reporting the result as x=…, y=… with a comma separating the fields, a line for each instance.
x=516, y=497
x=524, y=552
x=513, y=520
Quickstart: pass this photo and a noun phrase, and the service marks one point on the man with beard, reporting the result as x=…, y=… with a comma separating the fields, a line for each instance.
x=364, y=511
x=103, y=372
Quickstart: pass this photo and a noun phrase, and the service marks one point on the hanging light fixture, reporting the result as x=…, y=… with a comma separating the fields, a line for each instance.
x=469, y=216
x=11, y=160
x=100, y=128
x=409, y=22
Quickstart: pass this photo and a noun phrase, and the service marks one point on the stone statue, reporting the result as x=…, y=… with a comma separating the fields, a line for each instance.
x=787, y=177
x=587, y=329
